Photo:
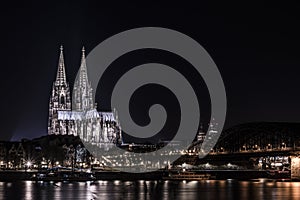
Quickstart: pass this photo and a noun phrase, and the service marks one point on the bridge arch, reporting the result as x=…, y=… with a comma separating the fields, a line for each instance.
x=259, y=136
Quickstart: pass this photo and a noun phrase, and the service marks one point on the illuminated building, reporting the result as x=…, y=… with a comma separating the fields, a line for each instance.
x=80, y=116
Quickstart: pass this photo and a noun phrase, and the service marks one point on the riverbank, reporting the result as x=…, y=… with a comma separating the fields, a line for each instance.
x=11, y=175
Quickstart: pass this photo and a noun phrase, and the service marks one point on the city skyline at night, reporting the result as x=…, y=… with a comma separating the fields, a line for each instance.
x=149, y=100
x=256, y=55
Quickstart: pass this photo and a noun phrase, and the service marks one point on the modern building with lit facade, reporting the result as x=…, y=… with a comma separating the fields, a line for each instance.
x=77, y=114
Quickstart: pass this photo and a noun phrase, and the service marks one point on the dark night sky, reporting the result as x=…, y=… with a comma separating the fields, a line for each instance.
x=256, y=48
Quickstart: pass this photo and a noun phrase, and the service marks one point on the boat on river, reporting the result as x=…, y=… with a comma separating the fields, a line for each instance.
x=187, y=176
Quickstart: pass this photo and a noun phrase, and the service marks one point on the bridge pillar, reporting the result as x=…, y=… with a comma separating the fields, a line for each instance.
x=295, y=167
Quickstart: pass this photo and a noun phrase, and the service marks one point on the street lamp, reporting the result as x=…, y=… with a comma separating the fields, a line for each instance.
x=28, y=164
x=244, y=147
x=221, y=149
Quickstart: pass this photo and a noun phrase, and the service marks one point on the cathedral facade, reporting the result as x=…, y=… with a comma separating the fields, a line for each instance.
x=77, y=114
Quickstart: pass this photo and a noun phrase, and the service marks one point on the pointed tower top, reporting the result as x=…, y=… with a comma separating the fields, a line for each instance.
x=83, y=64
x=61, y=72
x=83, y=88
x=83, y=79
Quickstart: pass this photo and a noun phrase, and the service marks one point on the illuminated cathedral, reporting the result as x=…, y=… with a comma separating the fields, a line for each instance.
x=77, y=114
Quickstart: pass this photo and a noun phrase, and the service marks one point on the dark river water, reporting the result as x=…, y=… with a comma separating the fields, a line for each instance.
x=212, y=189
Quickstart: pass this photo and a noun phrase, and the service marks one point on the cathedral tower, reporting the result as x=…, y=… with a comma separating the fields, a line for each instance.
x=83, y=92
x=60, y=100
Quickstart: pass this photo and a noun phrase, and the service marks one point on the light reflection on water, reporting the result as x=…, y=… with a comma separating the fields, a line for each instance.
x=213, y=189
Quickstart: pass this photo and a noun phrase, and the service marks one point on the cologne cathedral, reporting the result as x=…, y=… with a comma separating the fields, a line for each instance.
x=77, y=114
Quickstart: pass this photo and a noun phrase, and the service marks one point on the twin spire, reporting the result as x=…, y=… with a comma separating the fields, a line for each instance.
x=61, y=71
x=83, y=77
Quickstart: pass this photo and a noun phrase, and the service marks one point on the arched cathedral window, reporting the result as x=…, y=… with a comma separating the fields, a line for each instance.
x=62, y=99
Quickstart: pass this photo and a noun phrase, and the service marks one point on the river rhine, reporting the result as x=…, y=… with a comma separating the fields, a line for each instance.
x=209, y=189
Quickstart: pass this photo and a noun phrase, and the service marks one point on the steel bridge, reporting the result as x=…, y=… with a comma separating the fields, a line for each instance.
x=259, y=137
x=243, y=142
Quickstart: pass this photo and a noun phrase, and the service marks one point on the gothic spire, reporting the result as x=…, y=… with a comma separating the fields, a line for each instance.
x=61, y=72
x=83, y=92
x=83, y=77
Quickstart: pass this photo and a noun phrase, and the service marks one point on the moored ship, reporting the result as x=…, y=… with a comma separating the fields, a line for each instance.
x=188, y=176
